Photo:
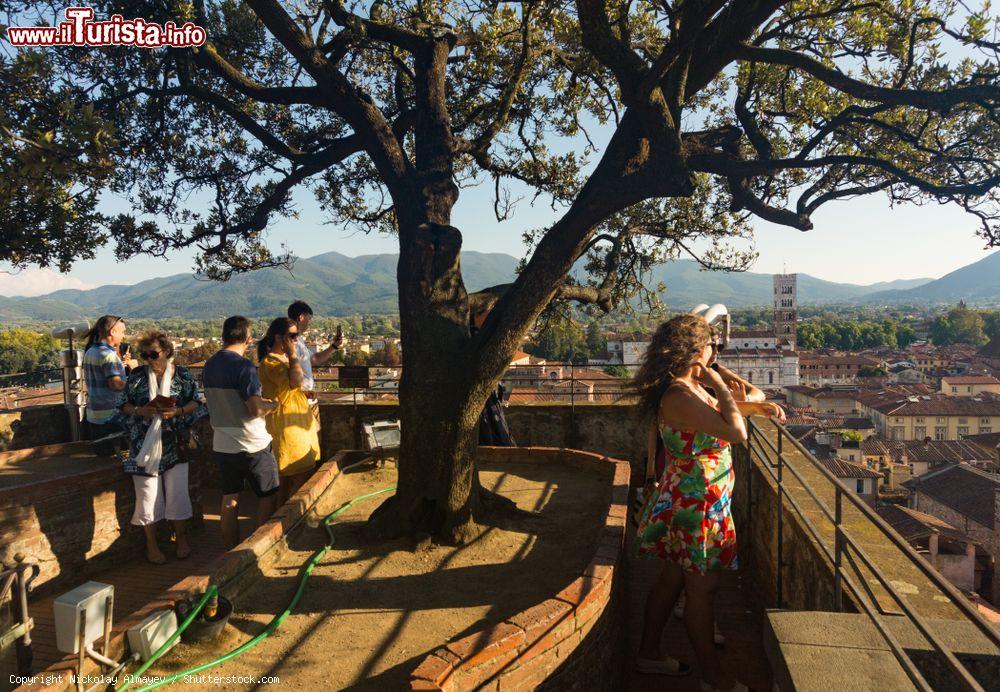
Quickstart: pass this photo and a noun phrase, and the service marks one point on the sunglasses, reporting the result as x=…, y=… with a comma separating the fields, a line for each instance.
x=292, y=335
x=149, y=355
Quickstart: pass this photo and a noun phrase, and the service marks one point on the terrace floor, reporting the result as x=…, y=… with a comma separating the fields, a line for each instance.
x=138, y=582
x=737, y=613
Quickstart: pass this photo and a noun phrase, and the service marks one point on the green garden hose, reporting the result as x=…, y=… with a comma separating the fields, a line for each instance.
x=271, y=626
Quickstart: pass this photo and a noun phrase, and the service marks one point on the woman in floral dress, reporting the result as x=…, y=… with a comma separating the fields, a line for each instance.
x=689, y=524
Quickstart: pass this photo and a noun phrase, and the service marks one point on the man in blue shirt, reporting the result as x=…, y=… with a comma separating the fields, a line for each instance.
x=303, y=314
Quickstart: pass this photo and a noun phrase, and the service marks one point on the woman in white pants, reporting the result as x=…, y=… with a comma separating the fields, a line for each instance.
x=161, y=402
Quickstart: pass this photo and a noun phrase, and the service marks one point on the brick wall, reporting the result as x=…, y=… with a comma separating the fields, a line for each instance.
x=78, y=523
x=68, y=525
x=612, y=429
x=807, y=582
x=563, y=643
x=32, y=426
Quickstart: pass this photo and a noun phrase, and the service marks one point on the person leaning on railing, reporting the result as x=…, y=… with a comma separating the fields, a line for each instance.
x=161, y=403
x=686, y=519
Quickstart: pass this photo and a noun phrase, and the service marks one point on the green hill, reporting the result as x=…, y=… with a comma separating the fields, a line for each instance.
x=335, y=284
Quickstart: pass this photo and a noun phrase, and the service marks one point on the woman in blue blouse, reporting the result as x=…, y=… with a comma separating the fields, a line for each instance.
x=155, y=431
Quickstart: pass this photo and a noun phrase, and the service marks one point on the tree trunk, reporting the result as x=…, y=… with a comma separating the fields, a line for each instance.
x=442, y=391
x=438, y=486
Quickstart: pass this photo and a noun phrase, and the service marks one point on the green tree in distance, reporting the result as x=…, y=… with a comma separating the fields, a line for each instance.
x=959, y=326
x=711, y=112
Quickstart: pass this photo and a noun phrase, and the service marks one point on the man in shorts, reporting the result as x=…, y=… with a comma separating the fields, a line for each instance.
x=242, y=445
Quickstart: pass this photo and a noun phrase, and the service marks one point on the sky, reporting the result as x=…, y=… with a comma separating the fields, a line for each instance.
x=860, y=241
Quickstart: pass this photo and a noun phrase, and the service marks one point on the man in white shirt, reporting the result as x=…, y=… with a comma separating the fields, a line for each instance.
x=241, y=443
x=302, y=314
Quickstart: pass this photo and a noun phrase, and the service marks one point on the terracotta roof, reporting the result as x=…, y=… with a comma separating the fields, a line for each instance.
x=975, y=379
x=810, y=358
x=913, y=525
x=824, y=392
x=992, y=349
x=985, y=404
x=876, y=445
x=966, y=490
x=937, y=452
x=801, y=431
x=989, y=440
x=845, y=469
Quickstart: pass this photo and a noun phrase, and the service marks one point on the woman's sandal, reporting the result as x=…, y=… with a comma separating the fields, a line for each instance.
x=665, y=666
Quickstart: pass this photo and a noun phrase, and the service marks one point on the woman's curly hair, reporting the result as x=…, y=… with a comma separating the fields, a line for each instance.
x=674, y=348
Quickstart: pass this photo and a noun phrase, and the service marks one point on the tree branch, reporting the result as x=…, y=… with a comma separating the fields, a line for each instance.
x=932, y=100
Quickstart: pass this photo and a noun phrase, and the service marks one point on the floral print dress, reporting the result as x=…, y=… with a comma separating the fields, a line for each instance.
x=689, y=522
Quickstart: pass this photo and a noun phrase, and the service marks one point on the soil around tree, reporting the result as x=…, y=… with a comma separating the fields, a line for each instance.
x=371, y=611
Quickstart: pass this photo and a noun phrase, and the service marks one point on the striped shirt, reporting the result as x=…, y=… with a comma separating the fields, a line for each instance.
x=100, y=364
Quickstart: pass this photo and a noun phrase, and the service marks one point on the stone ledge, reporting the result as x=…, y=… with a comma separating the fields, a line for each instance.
x=522, y=652
x=822, y=651
x=232, y=571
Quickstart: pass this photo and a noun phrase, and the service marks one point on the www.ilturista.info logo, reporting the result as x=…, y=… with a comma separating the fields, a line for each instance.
x=80, y=29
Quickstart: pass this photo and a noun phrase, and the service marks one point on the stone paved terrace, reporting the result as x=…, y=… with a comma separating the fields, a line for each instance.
x=137, y=582
x=739, y=613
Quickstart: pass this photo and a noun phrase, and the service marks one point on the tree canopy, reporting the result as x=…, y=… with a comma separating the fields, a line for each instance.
x=728, y=108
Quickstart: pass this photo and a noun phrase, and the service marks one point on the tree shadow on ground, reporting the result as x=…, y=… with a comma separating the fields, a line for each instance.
x=544, y=558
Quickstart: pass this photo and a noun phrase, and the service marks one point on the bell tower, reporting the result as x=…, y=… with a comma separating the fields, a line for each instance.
x=786, y=309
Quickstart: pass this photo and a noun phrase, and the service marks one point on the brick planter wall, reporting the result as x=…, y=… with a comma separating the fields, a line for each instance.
x=566, y=642
x=78, y=523
x=68, y=525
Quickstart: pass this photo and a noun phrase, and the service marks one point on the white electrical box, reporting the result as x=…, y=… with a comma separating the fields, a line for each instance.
x=150, y=634
x=89, y=598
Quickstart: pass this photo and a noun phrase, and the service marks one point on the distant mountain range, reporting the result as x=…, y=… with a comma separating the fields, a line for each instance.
x=338, y=285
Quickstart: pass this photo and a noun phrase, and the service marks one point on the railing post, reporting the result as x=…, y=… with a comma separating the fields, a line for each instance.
x=781, y=490
x=838, y=551
x=572, y=404
x=73, y=397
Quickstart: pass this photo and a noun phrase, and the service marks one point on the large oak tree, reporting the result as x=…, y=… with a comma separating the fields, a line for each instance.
x=718, y=110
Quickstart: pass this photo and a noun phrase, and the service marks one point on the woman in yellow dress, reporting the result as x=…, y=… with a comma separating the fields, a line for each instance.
x=293, y=428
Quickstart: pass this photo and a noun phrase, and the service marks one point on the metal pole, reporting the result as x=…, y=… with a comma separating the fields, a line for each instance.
x=82, y=651
x=838, y=549
x=109, y=604
x=781, y=490
x=572, y=404
x=357, y=423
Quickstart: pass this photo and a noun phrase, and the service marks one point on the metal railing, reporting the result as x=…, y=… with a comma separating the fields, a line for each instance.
x=847, y=547
x=15, y=584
